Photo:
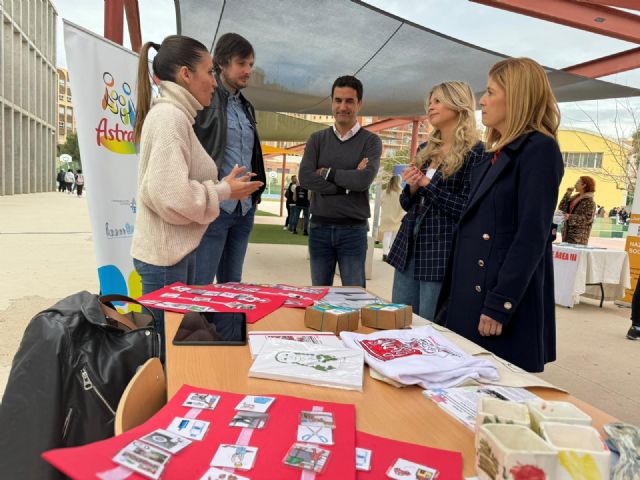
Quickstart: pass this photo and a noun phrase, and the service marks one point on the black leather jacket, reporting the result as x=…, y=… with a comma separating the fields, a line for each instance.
x=65, y=384
x=211, y=130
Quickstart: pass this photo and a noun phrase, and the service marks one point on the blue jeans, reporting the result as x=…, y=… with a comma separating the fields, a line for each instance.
x=421, y=295
x=221, y=252
x=295, y=215
x=155, y=277
x=345, y=245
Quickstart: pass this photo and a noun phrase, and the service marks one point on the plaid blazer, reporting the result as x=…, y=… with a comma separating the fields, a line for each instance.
x=432, y=215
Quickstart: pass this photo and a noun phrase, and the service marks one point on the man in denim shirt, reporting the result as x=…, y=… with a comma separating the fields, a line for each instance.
x=227, y=130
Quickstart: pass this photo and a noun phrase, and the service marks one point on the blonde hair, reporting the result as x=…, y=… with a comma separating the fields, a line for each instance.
x=394, y=184
x=531, y=104
x=459, y=97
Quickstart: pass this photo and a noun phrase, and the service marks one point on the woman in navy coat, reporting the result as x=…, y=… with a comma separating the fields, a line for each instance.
x=498, y=289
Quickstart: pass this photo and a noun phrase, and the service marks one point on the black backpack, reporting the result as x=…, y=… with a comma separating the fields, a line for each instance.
x=67, y=378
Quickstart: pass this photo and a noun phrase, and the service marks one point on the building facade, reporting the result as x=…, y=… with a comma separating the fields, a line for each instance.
x=66, y=114
x=28, y=80
x=603, y=159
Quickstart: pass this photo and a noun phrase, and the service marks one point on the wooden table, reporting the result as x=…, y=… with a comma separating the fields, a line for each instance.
x=401, y=414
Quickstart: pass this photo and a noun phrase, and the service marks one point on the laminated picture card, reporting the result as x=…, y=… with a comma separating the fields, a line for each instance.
x=303, y=362
x=386, y=316
x=331, y=318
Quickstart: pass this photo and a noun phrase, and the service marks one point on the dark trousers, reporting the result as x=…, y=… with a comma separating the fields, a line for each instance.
x=290, y=208
x=635, y=306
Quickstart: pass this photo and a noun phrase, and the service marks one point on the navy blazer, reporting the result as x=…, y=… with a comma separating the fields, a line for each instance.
x=501, y=261
x=441, y=203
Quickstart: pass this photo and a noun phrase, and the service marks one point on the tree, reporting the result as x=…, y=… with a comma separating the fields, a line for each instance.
x=622, y=147
x=71, y=147
x=398, y=157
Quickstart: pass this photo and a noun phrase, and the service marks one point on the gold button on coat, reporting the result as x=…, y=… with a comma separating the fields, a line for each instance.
x=481, y=263
x=485, y=236
x=508, y=306
x=478, y=288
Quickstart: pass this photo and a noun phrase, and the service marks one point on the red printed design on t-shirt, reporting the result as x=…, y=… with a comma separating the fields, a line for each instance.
x=385, y=349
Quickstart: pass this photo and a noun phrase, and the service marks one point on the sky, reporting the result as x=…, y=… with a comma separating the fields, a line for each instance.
x=550, y=44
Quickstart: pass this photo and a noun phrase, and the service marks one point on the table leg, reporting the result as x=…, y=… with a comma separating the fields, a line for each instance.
x=601, y=291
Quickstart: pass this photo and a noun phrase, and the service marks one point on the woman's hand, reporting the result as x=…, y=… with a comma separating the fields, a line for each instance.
x=414, y=178
x=241, y=186
x=488, y=326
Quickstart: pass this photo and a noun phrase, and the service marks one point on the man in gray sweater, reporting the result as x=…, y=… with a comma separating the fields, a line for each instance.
x=338, y=166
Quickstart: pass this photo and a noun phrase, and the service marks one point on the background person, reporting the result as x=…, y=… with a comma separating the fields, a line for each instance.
x=338, y=166
x=61, y=183
x=634, y=331
x=69, y=179
x=227, y=130
x=391, y=215
x=178, y=189
x=437, y=189
x=498, y=289
x=301, y=206
x=579, y=211
x=290, y=200
x=79, y=182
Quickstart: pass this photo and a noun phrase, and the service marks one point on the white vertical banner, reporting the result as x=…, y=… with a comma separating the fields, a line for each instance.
x=103, y=75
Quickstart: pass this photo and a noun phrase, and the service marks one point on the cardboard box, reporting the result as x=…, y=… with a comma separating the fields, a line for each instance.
x=386, y=316
x=331, y=318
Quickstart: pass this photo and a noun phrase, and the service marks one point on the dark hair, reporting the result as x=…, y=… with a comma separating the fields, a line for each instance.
x=348, y=81
x=175, y=51
x=228, y=46
x=589, y=184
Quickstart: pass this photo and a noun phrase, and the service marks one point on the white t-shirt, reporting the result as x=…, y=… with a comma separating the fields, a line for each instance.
x=419, y=356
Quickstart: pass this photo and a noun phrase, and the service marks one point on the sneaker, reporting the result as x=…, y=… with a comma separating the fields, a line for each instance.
x=305, y=233
x=294, y=232
x=285, y=228
x=634, y=332
x=384, y=257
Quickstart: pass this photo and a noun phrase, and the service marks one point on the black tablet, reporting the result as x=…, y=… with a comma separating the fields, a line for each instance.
x=212, y=328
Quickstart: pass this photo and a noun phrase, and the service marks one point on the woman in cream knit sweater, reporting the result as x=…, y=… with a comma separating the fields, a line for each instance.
x=178, y=191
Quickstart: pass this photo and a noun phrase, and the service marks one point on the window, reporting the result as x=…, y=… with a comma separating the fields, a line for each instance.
x=60, y=124
x=61, y=82
x=582, y=159
x=61, y=110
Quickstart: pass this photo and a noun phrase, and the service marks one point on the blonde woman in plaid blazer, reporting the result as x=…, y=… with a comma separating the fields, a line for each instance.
x=438, y=185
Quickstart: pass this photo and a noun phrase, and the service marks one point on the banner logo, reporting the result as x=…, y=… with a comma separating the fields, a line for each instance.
x=115, y=131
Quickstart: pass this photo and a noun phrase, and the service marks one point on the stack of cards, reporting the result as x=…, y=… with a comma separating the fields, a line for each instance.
x=189, y=428
x=202, y=400
x=216, y=474
x=307, y=457
x=240, y=457
x=316, y=427
x=143, y=458
x=252, y=412
x=363, y=459
x=404, y=469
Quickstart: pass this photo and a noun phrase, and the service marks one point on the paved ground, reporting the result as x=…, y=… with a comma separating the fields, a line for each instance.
x=46, y=253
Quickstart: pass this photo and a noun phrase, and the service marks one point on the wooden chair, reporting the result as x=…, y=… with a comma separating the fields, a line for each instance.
x=145, y=394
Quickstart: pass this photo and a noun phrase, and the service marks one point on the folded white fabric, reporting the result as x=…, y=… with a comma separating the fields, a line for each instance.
x=419, y=356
